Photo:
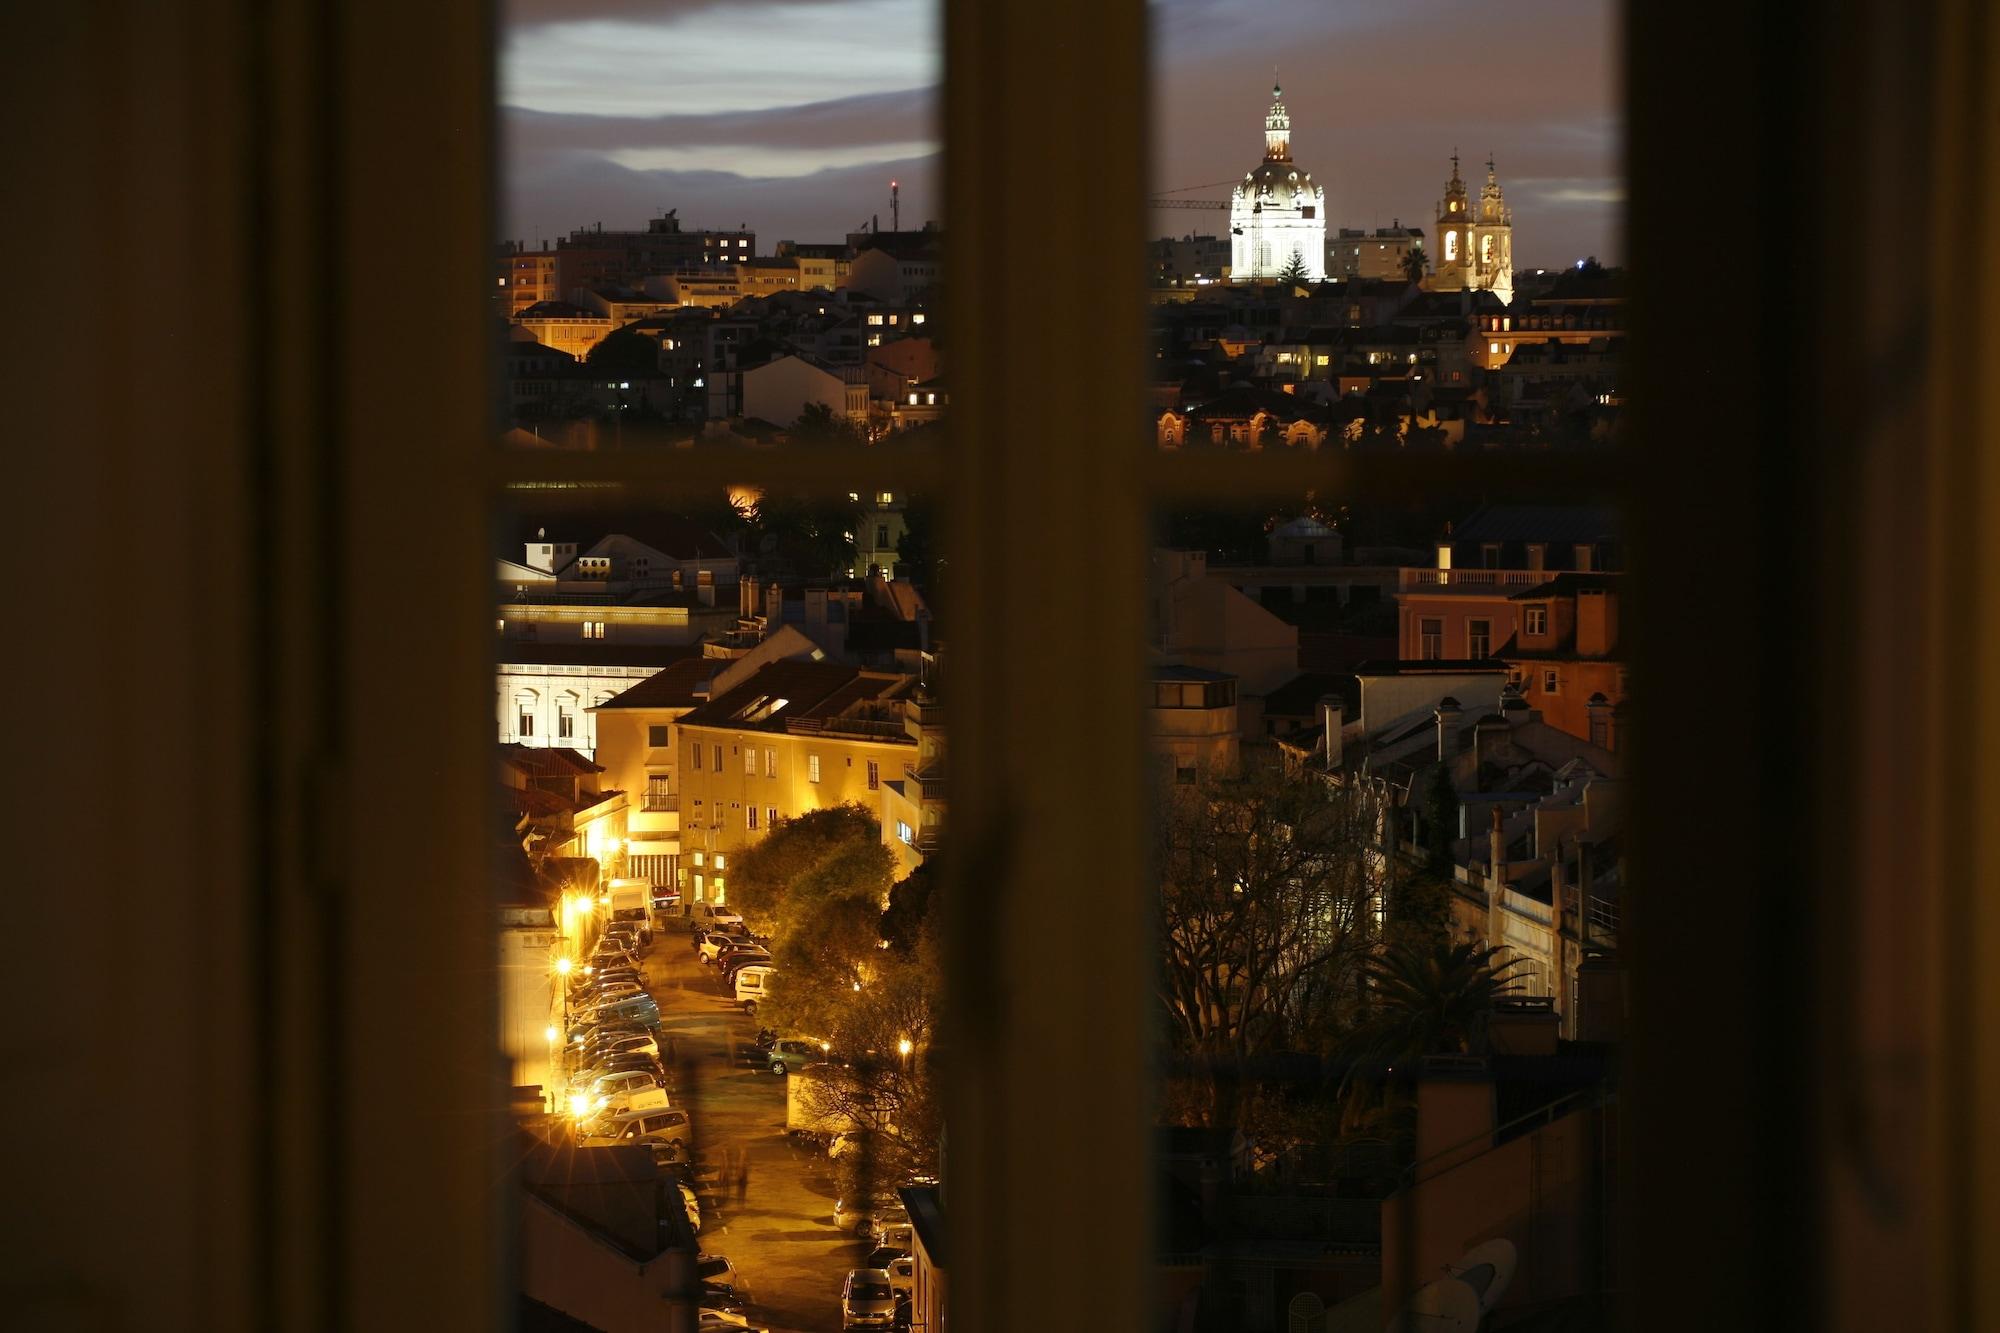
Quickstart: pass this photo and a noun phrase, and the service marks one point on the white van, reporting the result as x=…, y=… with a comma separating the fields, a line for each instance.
x=752, y=984
x=711, y=916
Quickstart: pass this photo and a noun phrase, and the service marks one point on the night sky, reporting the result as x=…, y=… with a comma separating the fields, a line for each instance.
x=792, y=117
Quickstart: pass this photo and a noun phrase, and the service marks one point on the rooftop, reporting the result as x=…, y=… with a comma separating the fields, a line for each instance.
x=675, y=686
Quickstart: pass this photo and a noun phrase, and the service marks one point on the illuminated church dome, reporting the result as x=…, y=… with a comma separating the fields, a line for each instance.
x=1277, y=211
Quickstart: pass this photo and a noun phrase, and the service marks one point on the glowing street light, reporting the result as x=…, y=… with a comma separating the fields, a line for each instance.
x=564, y=965
x=904, y=1047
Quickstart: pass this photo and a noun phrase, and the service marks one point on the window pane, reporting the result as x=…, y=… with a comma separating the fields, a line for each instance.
x=721, y=225
x=1390, y=866
x=739, y=795
x=1333, y=272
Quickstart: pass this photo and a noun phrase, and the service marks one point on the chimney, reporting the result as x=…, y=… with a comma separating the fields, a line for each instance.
x=1487, y=734
x=815, y=613
x=1599, y=709
x=1331, y=720
x=1496, y=883
x=1558, y=950
x=1447, y=720
x=1582, y=891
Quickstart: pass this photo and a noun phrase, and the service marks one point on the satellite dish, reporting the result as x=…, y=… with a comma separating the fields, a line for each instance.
x=1445, y=1306
x=1488, y=1268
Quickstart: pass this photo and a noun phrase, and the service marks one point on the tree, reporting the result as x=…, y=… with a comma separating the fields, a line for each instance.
x=1295, y=273
x=806, y=861
x=625, y=352
x=1270, y=891
x=1415, y=264
x=1431, y=998
x=820, y=424
x=1428, y=996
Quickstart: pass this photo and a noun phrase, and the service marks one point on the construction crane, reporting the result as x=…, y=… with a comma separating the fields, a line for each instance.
x=1161, y=200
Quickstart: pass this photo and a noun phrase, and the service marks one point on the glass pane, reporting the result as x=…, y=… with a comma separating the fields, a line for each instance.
x=722, y=765
x=1388, y=743
x=1410, y=250
x=720, y=224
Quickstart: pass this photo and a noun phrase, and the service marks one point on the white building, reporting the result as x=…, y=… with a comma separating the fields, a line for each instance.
x=1277, y=211
x=779, y=390
x=544, y=691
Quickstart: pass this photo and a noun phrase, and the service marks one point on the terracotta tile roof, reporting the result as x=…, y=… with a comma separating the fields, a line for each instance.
x=672, y=687
x=807, y=689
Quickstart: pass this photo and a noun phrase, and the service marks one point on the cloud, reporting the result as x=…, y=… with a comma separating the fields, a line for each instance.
x=715, y=58
x=555, y=193
x=519, y=14
x=868, y=118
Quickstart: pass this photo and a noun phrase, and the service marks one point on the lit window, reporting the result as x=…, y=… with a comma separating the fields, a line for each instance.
x=874, y=319
x=913, y=400
x=812, y=768
x=699, y=859
x=721, y=863
x=770, y=763
x=930, y=400
x=1493, y=348
x=916, y=319
x=749, y=761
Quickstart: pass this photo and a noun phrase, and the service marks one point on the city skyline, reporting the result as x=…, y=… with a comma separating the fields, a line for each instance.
x=614, y=111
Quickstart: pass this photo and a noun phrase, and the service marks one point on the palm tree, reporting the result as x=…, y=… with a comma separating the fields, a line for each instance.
x=1413, y=264
x=1431, y=997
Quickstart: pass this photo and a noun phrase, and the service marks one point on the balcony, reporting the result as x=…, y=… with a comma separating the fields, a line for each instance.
x=1472, y=579
x=657, y=801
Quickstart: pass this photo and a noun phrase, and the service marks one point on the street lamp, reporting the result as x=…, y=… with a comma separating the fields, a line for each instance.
x=904, y=1047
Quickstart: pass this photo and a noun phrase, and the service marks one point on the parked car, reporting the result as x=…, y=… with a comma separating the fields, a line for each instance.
x=789, y=1053
x=902, y=1276
x=635, y=1043
x=590, y=1075
x=867, y=1217
x=867, y=1300
x=607, y=1037
x=713, y=1268
x=639, y=1008
x=711, y=915
x=752, y=985
x=714, y=945
x=667, y=1126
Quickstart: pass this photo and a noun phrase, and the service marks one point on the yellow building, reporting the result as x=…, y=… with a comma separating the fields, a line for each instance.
x=567, y=328
x=635, y=747
x=798, y=736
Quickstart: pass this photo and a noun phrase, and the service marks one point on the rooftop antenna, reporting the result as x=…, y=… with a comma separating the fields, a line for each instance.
x=895, y=208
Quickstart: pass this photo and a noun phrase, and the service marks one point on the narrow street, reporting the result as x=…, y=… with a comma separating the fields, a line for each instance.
x=789, y=1259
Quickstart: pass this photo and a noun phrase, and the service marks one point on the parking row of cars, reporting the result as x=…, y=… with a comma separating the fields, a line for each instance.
x=621, y=1086
x=742, y=961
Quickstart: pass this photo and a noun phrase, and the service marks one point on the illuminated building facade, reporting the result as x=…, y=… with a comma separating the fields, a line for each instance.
x=1475, y=242
x=1276, y=211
